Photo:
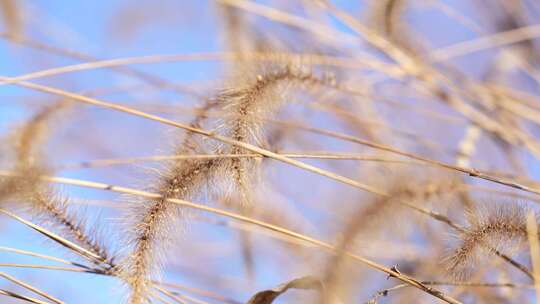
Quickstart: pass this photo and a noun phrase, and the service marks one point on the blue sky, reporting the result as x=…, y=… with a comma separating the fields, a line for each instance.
x=103, y=29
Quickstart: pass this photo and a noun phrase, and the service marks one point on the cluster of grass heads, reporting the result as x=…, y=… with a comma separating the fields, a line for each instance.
x=330, y=155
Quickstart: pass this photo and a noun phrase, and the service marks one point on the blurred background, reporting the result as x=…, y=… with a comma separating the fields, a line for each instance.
x=467, y=98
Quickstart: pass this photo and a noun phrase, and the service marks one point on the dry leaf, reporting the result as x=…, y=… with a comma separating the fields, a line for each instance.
x=268, y=296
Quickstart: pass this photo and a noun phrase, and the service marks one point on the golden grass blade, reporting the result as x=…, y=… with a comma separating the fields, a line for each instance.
x=321, y=244
x=39, y=255
x=471, y=172
x=434, y=215
x=30, y=287
x=174, y=296
x=46, y=267
x=292, y=20
x=378, y=41
x=212, y=135
x=60, y=240
x=307, y=59
x=21, y=297
x=157, y=158
x=486, y=42
x=161, y=299
x=203, y=293
x=384, y=292
x=276, y=156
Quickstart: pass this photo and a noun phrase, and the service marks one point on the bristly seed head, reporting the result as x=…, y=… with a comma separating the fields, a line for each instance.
x=492, y=227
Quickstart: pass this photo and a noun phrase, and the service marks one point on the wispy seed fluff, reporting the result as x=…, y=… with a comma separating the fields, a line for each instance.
x=494, y=226
x=49, y=207
x=41, y=200
x=153, y=222
x=246, y=105
x=28, y=141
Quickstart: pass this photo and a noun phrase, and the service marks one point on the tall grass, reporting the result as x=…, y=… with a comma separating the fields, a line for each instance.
x=328, y=152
